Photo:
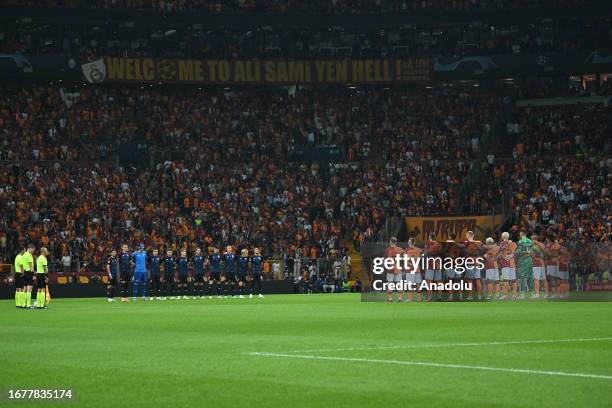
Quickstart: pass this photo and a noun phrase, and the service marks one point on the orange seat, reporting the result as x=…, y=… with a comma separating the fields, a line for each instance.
x=83, y=279
x=62, y=280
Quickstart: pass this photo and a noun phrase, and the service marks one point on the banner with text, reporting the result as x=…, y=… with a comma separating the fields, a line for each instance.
x=197, y=71
x=599, y=286
x=482, y=225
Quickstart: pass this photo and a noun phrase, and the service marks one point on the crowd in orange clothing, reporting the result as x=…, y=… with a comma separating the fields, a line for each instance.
x=560, y=178
x=225, y=167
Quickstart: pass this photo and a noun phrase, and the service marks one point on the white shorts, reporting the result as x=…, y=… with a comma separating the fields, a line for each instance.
x=564, y=275
x=472, y=273
x=414, y=277
x=450, y=274
x=539, y=273
x=552, y=270
x=509, y=273
x=432, y=275
x=492, y=274
x=394, y=277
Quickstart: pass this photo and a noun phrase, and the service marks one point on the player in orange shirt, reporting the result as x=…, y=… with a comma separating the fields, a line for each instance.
x=433, y=267
x=564, y=258
x=507, y=265
x=539, y=269
x=393, y=274
x=471, y=250
x=452, y=250
x=552, y=267
x=413, y=276
x=491, y=271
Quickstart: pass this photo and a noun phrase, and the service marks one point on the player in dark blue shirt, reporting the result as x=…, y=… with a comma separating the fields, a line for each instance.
x=198, y=273
x=125, y=275
x=230, y=271
x=182, y=264
x=112, y=268
x=169, y=276
x=214, y=274
x=256, y=271
x=243, y=268
x=155, y=268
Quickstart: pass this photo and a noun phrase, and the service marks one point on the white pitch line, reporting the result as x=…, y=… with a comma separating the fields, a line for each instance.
x=440, y=365
x=416, y=346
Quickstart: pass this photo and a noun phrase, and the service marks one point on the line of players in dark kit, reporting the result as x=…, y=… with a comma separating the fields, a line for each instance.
x=182, y=277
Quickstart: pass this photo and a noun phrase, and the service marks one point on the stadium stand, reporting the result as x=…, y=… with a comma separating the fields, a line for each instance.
x=229, y=164
x=411, y=152
x=292, y=6
x=271, y=32
x=560, y=180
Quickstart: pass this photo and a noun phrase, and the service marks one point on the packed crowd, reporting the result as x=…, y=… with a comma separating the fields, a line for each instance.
x=225, y=167
x=563, y=197
x=294, y=6
x=561, y=179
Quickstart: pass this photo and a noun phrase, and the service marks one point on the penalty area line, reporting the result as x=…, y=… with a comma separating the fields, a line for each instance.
x=417, y=346
x=431, y=364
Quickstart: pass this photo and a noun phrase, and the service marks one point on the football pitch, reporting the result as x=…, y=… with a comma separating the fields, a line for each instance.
x=310, y=350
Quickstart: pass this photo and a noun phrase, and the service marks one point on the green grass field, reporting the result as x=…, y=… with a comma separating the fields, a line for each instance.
x=242, y=352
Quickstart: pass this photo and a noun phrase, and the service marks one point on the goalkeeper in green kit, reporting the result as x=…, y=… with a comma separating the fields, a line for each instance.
x=523, y=253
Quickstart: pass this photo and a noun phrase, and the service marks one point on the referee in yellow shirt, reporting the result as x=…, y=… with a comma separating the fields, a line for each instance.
x=18, y=280
x=41, y=278
x=27, y=262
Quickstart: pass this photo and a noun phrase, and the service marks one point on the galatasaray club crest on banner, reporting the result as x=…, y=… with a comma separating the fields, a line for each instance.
x=94, y=71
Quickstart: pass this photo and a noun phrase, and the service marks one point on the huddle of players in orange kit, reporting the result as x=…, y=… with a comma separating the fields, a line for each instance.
x=497, y=280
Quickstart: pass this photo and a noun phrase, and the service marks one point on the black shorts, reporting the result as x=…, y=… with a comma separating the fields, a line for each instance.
x=19, y=284
x=112, y=280
x=214, y=276
x=183, y=278
x=125, y=276
x=155, y=278
x=230, y=277
x=198, y=277
x=28, y=278
x=41, y=280
x=241, y=277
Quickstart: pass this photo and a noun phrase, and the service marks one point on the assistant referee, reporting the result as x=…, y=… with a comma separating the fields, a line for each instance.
x=18, y=280
x=41, y=278
x=27, y=262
